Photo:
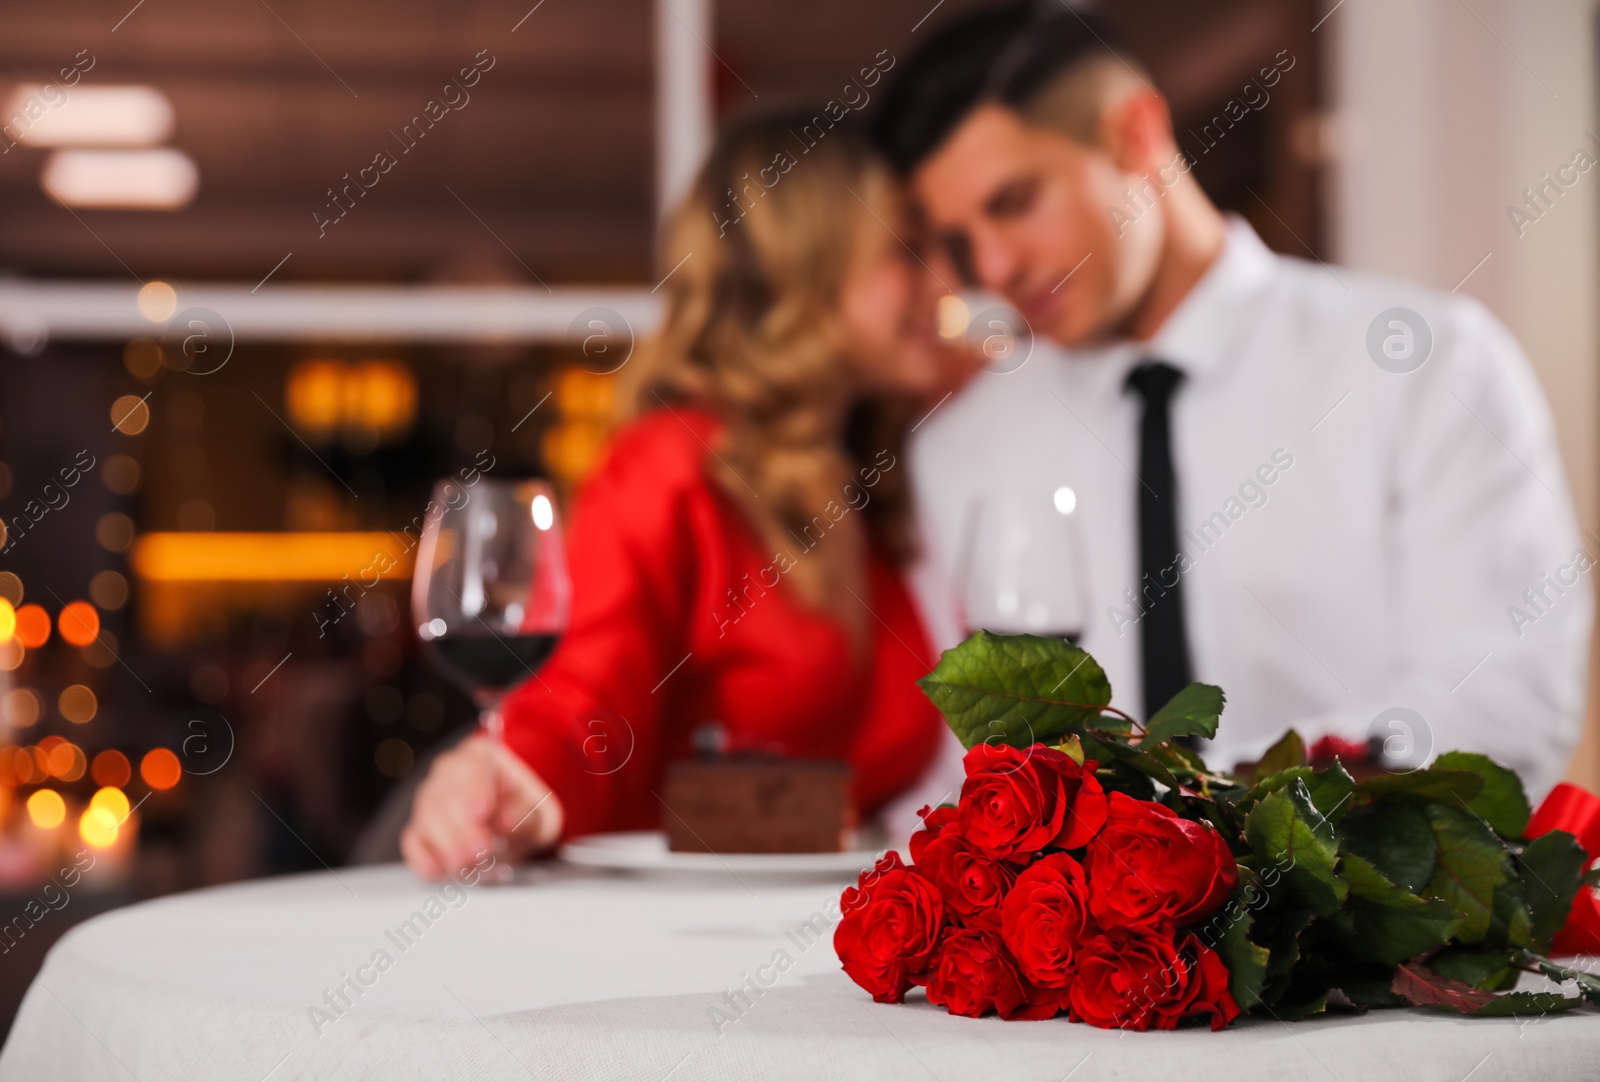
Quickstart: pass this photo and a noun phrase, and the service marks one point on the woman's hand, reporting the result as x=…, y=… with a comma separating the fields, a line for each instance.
x=473, y=794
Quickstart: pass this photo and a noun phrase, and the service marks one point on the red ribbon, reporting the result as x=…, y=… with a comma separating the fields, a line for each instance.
x=1576, y=811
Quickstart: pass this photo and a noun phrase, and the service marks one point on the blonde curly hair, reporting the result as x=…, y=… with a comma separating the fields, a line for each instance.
x=767, y=237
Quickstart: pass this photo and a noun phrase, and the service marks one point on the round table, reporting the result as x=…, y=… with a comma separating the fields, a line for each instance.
x=572, y=974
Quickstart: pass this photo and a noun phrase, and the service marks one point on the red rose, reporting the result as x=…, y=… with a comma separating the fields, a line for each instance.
x=1332, y=747
x=889, y=928
x=1130, y=980
x=934, y=822
x=971, y=882
x=1017, y=802
x=1045, y=918
x=975, y=975
x=1150, y=867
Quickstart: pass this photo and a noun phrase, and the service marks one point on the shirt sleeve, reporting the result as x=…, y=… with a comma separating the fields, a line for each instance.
x=1490, y=598
x=589, y=723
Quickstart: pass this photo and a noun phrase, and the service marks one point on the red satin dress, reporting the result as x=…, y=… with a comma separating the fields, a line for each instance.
x=657, y=647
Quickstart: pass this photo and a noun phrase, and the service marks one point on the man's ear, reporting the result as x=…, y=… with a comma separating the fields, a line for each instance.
x=1137, y=131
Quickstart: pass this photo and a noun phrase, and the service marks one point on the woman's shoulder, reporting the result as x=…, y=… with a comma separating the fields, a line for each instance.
x=662, y=450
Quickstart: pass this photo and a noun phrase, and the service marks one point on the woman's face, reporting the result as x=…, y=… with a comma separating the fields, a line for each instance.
x=889, y=305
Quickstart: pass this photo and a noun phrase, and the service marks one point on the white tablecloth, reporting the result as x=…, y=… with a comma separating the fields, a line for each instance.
x=579, y=975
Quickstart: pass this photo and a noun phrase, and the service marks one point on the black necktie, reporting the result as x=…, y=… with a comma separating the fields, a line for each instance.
x=1164, y=642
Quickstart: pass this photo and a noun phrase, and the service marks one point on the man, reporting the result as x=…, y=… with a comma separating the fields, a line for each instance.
x=1336, y=496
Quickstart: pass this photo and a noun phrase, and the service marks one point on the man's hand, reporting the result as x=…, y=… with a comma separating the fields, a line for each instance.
x=473, y=794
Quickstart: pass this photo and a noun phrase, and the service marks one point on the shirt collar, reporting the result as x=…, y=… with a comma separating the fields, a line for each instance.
x=1207, y=330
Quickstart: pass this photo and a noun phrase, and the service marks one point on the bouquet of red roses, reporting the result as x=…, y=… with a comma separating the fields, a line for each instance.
x=1095, y=867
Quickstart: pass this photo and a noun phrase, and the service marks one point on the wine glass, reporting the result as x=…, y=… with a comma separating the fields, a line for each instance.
x=490, y=594
x=1023, y=565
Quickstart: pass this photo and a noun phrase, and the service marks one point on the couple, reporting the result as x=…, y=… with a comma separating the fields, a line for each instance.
x=1331, y=494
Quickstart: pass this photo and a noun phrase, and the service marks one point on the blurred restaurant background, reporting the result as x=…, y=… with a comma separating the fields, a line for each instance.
x=268, y=269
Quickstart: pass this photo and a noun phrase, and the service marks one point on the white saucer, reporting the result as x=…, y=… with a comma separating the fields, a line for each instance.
x=646, y=851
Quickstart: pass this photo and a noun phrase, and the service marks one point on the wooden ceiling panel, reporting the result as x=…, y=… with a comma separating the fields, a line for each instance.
x=553, y=156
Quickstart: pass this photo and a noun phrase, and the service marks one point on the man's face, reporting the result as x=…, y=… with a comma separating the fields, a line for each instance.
x=1022, y=207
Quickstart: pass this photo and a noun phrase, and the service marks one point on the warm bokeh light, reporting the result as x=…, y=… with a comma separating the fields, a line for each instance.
x=102, y=653
x=111, y=769
x=130, y=415
x=67, y=761
x=98, y=827
x=114, y=531
x=270, y=557
x=32, y=626
x=11, y=655
x=380, y=395
x=394, y=757
x=113, y=800
x=109, y=590
x=8, y=620
x=374, y=396
x=121, y=474
x=11, y=587
x=160, y=768
x=315, y=395
x=953, y=316
x=77, y=703
x=21, y=707
x=157, y=301
x=79, y=623
x=47, y=809
x=21, y=765
x=142, y=357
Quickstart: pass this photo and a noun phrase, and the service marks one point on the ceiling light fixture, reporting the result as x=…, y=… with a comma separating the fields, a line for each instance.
x=121, y=179
x=89, y=116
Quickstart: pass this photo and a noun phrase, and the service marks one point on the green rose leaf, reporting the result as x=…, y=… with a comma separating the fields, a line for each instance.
x=1194, y=711
x=1110, y=751
x=1527, y=1005
x=1293, y=1010
x=1388, y=924
x=1509, y=924
x=1449, y=786
x=1330, y=789
x=1182, y=762
x=1502, y=803
x=1491, y=970
x=1370, y=989
x=1018, y=690
x=1289, y=751
x=1552, y=871
x=1288, y=831
x=1228, y=933
x=1472, y=863
x=1396, y=836
x=1587, y=983
x=1279, y=930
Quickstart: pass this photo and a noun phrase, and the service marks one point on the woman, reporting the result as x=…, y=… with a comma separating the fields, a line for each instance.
x=735, y=556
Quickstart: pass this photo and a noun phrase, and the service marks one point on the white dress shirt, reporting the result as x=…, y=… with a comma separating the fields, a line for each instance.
x=1358, y=541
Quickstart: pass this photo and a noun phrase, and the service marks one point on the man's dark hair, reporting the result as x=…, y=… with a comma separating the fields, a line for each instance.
x=1009, y=55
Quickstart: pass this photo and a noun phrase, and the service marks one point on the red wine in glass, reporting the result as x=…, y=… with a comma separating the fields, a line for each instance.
x=490, y=663
x=490, y=594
